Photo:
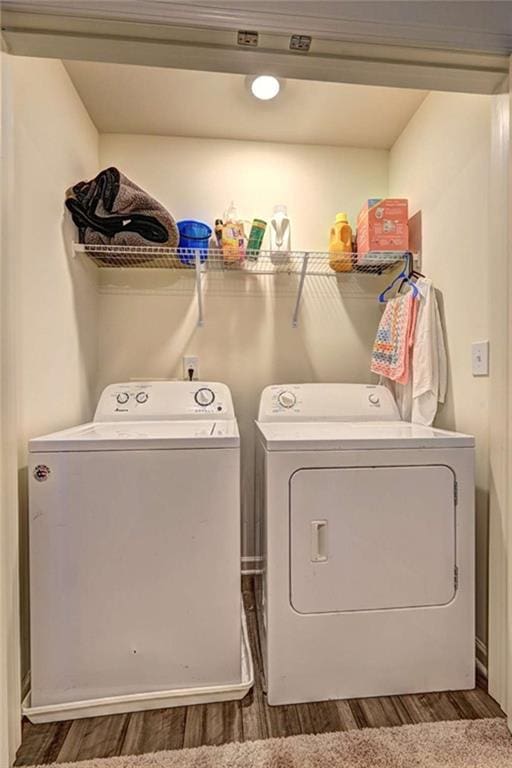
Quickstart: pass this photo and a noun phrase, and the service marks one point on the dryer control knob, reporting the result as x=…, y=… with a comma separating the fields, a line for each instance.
x=374, y=399
x=141, y=397
x=204, y=397
x=123, y=398
x=287, y=399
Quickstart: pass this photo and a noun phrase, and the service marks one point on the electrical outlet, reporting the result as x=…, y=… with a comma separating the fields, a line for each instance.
x=190, y=363
x=480, y=358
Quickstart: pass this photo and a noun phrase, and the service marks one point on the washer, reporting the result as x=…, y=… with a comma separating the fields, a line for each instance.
x=368, y=547
x=135, y=555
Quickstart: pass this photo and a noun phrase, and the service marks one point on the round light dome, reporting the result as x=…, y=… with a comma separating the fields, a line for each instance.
x=265, y=87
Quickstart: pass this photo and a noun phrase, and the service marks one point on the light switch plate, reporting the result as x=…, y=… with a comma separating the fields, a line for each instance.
x=480, y=358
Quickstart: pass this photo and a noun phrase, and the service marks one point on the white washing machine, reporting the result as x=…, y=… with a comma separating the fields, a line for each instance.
x=369, y=547
x=135, y=555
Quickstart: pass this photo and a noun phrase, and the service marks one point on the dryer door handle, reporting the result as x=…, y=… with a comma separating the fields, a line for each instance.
x=318, y=541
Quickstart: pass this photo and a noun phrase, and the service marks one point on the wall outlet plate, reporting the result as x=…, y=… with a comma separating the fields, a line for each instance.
x=190, y=363
x=247, y=38
x=480, y=358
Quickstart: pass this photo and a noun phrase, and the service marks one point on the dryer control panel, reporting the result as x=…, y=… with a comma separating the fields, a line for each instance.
x=165, y=400
x=327, y=402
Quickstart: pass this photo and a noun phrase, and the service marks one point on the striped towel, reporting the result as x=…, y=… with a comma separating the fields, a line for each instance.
x=395, y=336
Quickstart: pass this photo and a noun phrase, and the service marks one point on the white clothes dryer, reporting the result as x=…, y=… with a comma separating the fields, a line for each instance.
x=135, y=555
x=368, y=544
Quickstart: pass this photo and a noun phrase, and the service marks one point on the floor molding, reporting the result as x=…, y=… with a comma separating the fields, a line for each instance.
x=252, y=565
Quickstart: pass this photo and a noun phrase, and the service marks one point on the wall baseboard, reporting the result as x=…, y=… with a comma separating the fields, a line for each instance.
x=252, y=565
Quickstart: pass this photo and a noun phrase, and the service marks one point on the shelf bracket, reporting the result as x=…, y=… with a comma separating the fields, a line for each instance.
x=300, y=289
x=199, y=290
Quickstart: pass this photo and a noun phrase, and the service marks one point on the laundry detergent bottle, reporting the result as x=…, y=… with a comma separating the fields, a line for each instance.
x=280, y=234
x=340, y=244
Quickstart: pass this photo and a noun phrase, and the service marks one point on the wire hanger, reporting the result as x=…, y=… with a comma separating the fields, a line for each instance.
x=405, y=276
x=413, y=273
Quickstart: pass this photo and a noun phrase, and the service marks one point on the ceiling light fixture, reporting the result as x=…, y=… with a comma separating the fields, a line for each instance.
x=265, y=87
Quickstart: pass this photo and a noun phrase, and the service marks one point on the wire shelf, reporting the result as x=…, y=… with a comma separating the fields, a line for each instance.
x=198, y=262
x=261, y=263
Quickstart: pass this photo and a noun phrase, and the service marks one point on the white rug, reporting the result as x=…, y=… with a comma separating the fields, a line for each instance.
x=458, y=744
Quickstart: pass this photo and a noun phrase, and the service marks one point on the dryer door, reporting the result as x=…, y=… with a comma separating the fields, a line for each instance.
x=372, y=538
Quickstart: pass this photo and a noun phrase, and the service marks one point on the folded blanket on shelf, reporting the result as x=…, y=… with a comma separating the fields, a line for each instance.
x=391, y=349
x=112, y=210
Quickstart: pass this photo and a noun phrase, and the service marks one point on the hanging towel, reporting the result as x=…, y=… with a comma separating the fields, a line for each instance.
x=418, y=399
x=405, y=377
x=390, y=356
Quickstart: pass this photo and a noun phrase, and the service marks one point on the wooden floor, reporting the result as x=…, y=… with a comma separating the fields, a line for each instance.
x=249, y=719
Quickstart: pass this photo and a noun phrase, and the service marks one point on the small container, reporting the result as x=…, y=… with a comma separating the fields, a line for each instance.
x=218, y=232
x=256, y=238
x=194, y=236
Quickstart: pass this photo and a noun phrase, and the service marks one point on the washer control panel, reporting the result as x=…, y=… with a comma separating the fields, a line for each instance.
x=164, y=400
x=327, y=402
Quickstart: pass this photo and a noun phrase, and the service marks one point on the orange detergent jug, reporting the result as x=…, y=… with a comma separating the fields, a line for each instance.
x=340, y=245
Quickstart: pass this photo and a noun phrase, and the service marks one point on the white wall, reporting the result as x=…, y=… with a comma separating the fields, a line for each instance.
x=248, y=340
x=197, y=178
x=55, y=145
x=441, y=163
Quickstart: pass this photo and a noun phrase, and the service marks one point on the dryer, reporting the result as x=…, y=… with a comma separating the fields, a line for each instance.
x=135, y=555
x=368, y=545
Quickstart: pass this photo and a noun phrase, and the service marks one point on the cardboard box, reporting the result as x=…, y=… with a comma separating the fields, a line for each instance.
x=382, y=230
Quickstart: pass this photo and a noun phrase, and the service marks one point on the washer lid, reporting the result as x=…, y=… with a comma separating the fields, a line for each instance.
x=369, y=435
x=140, y=435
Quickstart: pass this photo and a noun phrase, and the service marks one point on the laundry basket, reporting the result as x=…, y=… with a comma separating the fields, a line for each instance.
x=194, y=236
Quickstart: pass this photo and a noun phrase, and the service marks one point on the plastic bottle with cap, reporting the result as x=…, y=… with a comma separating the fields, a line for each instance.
x=340, y=245
x=280, y=234
x=233, y=237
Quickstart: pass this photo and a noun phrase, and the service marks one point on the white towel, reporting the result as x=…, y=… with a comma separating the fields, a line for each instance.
x=418, y=400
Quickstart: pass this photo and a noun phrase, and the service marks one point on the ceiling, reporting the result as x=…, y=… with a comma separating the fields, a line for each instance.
x=123, y=98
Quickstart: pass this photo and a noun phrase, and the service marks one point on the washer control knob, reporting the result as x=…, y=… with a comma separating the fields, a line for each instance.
x=204, y=397
x=374, y=399
x=141, y=397
x=123, y=398
x=287, y=399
